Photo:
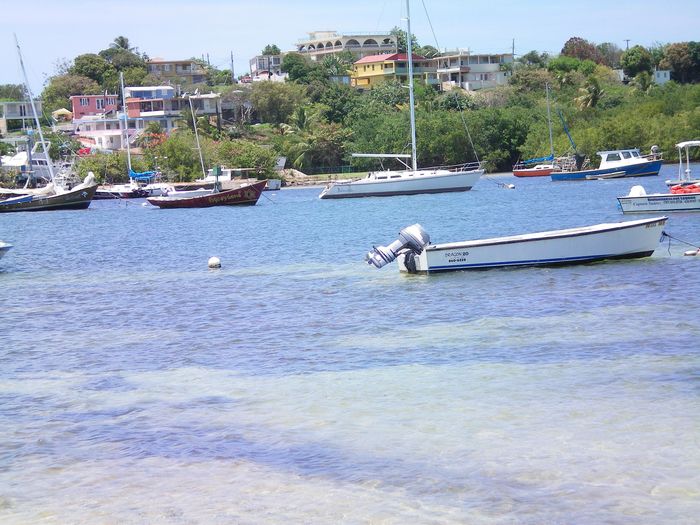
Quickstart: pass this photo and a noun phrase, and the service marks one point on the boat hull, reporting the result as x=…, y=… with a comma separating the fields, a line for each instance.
x=426, y=182
x=78, y=199
x=245, y=195
x=623, y=240
x=535, y=172
x=660, y=202
x=642, y=169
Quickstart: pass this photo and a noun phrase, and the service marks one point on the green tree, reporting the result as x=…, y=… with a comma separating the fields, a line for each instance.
x=91, y=66
x=12, y=92
x=246, y=154
x=275, y=101
x=643, y=81
x=610, y=54
x=635, y=60
x=401, y=40
x=534, y=59
x=591, y=93
x=683, y=59
x=57, y=92
x=271, y=49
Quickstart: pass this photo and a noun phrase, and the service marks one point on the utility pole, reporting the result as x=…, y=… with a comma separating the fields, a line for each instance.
x=233, y=75
x=627, y=42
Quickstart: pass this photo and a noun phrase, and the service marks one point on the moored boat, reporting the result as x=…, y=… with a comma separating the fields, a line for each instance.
x=4, y=248
x=412, y=180
x=245, y=194
x=680, y=198
x=685, y=174
x=616, y=163
x=78, y=198
x=620, y=240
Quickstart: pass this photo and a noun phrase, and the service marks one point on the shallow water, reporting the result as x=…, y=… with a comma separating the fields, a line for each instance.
x=299, y=385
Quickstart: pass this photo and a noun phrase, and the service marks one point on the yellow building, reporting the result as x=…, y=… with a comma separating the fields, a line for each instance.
x=373, y=70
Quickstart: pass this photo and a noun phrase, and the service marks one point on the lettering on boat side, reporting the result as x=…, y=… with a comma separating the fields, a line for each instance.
x=455, y=257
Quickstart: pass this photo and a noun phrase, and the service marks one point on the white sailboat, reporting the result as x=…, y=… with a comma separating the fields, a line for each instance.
x=411, y=180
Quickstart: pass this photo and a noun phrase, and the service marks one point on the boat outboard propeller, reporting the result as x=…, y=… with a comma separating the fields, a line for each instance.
x=413, y=238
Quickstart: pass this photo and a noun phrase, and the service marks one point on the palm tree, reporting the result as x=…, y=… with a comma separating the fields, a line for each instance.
x=591, y=94
x=122, y=43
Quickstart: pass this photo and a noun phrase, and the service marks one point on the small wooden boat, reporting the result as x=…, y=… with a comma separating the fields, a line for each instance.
x=79, y=198
x=680, y=198
x=620, y=240
x=246, y=194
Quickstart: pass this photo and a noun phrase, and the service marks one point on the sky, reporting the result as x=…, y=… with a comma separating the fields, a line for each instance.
x=60, y=30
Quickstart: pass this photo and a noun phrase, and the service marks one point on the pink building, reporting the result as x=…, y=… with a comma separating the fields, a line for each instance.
x=90, y=105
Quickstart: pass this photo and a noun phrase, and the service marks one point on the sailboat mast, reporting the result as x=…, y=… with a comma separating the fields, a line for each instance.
x=411, y=99
x=34, y=112
x=196, y=136
x=126, y=122
x=549, y=121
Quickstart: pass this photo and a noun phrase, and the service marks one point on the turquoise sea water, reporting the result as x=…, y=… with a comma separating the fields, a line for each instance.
x=299, y=385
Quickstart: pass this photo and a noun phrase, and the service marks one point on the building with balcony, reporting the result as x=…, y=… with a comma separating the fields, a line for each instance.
x=144, y=104
x=185, y=72
x=470, y=71
x=373, y=70
x=323, y=43
x=17, y=111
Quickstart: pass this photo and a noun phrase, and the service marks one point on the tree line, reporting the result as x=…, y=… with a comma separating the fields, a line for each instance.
x=317, y=122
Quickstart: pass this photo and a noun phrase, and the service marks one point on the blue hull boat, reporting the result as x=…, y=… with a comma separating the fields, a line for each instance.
x=616, y=164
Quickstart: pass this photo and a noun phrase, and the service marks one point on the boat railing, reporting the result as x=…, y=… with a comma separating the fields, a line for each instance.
x=467, y=166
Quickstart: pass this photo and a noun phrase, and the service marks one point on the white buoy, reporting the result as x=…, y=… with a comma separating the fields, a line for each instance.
x=510, y=186
x=214, y=262
x=692, y=252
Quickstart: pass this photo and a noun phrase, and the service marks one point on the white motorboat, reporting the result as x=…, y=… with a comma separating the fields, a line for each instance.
x=411, y=180
x=680, y=198
x=620, y=240
x=685, y=175
x=4, y=248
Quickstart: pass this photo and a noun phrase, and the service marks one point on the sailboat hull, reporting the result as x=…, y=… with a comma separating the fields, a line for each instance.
x=386, y=184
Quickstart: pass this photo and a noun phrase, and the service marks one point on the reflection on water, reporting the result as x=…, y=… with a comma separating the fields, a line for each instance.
x=299, y=385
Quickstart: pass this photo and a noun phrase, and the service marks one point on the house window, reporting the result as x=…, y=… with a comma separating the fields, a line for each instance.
x=111, y=101
x=22, y=110
x=100, y=103
x=84, y=101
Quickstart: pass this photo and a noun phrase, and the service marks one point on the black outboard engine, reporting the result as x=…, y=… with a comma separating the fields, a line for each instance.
x=413, y=238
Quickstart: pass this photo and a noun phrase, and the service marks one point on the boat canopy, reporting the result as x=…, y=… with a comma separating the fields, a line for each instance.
x=688, y=143
x=539, y=159
x=142, y=175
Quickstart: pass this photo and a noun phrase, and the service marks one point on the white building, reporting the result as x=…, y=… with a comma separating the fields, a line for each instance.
x=13, y=110
x=323, y=43
x=472, y=71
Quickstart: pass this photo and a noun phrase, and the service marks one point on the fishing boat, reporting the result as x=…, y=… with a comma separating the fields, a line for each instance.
x=54, y=198
x=685, y=175
x=57, y=195
x=4, y=248
x=542, y=166
x=679, y=198
x=411, y=180
x=615, y=164
x=620, y=240
x=245, y=194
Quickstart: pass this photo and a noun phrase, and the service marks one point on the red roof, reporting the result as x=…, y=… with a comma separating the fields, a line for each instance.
x=387, y=57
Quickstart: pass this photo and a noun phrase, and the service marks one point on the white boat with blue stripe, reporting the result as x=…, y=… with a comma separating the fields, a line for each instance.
x=619, y=240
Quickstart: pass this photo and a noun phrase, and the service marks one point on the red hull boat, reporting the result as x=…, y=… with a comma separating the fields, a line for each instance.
x=537, y=171
x=244, y=195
